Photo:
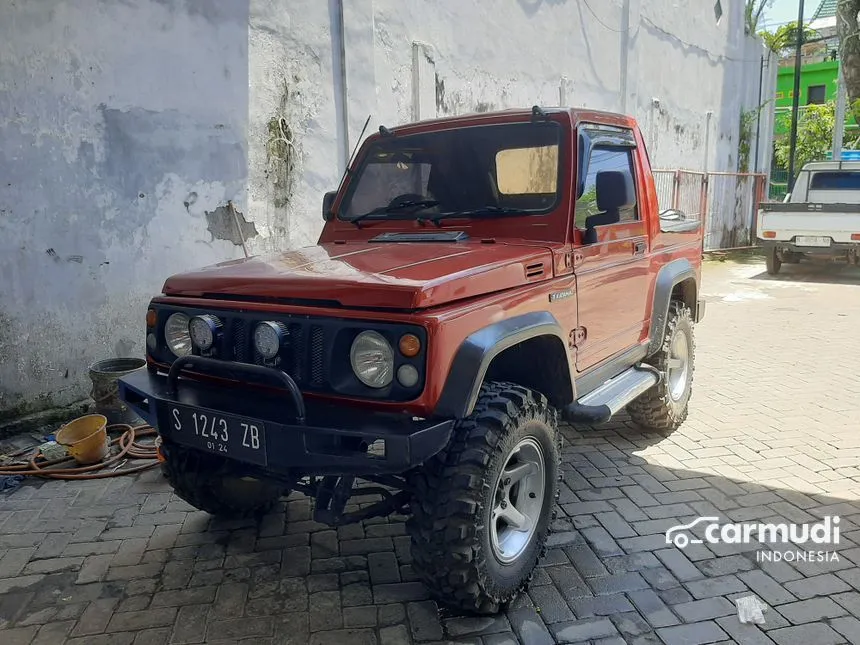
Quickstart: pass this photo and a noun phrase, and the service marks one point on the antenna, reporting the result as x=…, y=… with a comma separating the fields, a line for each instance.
x=355, y=148
x=352, y=155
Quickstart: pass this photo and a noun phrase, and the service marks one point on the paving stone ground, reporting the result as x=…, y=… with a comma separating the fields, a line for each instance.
x=773, y=435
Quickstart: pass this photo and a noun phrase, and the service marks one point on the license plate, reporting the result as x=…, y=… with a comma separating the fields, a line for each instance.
x=222, y=434
x=812, y=241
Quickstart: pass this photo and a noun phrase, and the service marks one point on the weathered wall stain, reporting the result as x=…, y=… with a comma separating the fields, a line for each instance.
x=227, y=223
x=280, y=153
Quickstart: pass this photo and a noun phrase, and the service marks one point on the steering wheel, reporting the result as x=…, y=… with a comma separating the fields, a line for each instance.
x=406, y=197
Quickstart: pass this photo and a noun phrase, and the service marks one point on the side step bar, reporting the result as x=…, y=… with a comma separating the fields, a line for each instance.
x=601, y=404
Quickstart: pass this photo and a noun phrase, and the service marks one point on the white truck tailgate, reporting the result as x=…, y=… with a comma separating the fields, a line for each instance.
x=809, y=224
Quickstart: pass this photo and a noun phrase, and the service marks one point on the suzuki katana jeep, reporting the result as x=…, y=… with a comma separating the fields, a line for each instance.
x=477, y=279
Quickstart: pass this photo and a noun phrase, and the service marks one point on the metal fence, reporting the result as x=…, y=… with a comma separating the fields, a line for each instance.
x=726, y=203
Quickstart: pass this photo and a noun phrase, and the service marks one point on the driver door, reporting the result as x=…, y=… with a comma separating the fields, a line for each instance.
x=612, y=274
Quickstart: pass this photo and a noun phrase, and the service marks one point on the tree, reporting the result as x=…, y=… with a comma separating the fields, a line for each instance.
x=784, y=40
x=814, y=135
x=752, y=14
x=849, y=51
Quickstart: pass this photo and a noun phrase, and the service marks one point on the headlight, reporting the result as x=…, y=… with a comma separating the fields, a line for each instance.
x=372, y=359
x=203, y=330
x=177, y=335
x=268, y=338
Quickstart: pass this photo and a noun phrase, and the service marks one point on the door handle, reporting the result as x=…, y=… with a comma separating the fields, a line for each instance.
x=639, y=248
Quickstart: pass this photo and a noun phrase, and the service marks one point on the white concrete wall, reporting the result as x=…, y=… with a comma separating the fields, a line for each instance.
x=666, y=65
x=113, y=117
x=127, y=127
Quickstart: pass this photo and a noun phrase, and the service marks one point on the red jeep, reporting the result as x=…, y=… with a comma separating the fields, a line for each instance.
x=477, y=278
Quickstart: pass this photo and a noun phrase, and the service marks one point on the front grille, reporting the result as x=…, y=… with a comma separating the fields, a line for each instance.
x=317, y=354
x=302, y=355
x=238, y=341
x=315, y=350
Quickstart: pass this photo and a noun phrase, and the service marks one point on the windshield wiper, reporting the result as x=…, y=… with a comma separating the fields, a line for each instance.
x=393, y=208
x=475, y=212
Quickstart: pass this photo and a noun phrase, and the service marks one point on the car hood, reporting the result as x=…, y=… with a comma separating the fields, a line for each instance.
x=379, y=275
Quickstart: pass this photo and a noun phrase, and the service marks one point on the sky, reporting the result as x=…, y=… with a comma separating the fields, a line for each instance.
x=784, y=11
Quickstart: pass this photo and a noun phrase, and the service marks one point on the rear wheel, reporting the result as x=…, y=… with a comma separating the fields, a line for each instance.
x=663, y=408
x=772, y=261
x=212, y=484
x=482, y=508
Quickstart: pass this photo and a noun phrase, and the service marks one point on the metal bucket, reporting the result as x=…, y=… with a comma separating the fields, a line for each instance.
x=105, y=392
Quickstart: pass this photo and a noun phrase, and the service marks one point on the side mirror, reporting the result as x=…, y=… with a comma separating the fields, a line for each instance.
x=328, y=200
x=615, y=190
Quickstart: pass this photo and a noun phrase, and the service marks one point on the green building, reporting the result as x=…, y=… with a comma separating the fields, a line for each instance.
x=819, y=73
x=819, y=70
x=818, y=84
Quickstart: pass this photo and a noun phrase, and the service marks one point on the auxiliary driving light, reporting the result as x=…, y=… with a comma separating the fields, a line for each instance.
x=268, y=338
x=204, y=329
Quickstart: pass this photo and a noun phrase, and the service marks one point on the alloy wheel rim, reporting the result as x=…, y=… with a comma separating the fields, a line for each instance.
x=678, y=365
x=518, y=501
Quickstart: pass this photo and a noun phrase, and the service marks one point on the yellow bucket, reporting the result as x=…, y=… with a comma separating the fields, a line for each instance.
x=86, y=438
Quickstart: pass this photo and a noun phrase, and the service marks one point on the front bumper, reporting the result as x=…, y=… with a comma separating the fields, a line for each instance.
x=328, y=440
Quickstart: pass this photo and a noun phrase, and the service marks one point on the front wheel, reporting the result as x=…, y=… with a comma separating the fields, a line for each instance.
x=482, y=508
x=663, y=408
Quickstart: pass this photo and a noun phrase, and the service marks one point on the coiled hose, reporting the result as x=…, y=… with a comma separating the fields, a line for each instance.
x=35, y=464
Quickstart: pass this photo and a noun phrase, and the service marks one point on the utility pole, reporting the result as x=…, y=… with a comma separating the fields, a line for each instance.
x=839, y=125
x=795, y=103
x=758, y=110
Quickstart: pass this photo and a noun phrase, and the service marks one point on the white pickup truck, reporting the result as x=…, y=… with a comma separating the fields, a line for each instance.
x=819, y=220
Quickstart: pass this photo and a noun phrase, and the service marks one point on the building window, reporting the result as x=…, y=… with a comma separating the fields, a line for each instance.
x=815, y=95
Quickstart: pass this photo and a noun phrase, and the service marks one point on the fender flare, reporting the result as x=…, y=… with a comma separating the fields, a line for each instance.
x=476, y=353
x=669, y=276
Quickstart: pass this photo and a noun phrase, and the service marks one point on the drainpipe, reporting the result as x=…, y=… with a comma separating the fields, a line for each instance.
x=339, y=75
x=625, y=52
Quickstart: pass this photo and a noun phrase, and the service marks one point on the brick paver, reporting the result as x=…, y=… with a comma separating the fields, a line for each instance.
x=772, y=436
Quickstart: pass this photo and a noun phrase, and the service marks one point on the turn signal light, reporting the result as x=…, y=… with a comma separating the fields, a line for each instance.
x=855, y=237
x=151, y=318
x=409, y=345
x=769, y=234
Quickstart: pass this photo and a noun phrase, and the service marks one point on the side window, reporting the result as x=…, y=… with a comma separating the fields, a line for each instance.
x=604, y=158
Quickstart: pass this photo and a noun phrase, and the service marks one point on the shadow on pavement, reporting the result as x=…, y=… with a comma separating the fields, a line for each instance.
x=126, y=557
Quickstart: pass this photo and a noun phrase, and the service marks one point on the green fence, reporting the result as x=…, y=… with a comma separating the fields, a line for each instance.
x=778, y=185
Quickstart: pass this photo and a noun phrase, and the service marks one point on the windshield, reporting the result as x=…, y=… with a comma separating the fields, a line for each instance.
x=511, y=168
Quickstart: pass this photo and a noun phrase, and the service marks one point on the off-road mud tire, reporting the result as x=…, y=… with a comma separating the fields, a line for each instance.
x=211, y=484
x=773, y=263
x=454, y=495
x=656, y=409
